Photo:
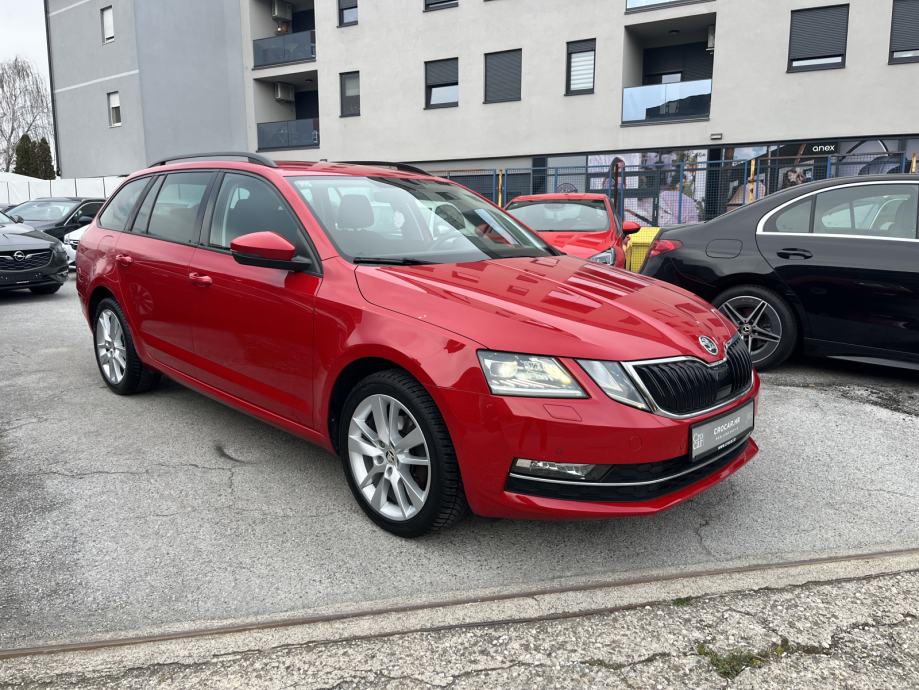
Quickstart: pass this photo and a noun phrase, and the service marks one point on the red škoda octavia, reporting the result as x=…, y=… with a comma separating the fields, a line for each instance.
x=450, y=357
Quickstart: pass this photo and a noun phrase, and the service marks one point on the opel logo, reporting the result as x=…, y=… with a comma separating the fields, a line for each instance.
x=19, y=256
x=708, y=345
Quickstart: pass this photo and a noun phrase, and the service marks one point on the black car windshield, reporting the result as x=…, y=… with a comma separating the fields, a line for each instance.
x=413, y=221
x=562, y=216
x=44, y=210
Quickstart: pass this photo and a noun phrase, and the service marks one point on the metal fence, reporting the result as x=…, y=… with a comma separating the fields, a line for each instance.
x=683, y=192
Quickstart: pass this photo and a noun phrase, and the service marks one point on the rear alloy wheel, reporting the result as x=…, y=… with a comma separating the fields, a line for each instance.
x=121, y=368
x=764, y=321
x=398, y=456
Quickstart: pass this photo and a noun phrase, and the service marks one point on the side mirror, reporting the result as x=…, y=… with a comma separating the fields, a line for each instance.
x=84, y=220
x=268, y=250
x=630, y=227
x=19, y=219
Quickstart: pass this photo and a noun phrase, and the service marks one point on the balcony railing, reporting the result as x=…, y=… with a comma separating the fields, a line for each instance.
x=684, y=100
x=279, y=50
x=288, y=134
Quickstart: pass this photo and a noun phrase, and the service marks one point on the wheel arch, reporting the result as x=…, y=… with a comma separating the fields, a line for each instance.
x=98, y=294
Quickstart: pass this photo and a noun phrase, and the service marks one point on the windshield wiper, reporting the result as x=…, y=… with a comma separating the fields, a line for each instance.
x=389, y=261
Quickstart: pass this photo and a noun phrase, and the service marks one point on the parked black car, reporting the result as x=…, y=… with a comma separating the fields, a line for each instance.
x=30, y=259
x=832, y=265
x=57, y=216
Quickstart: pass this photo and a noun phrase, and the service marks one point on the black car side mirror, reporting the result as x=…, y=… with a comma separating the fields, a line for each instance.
x=84, y=220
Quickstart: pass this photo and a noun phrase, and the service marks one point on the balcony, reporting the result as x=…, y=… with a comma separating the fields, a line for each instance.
x=685, y=100
x=285, y=49
x=288, y=134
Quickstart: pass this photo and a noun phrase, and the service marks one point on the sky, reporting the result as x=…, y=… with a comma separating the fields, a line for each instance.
x=22, y=32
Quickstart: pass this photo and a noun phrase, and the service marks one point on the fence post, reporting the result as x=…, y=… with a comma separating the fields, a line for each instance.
x=494, y=185
x=679, y=186
x=743, y=185
x=829, y=167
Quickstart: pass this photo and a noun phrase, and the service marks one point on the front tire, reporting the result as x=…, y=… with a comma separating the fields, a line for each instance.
x=765, y=321
x=121, y=368
x=398, y=457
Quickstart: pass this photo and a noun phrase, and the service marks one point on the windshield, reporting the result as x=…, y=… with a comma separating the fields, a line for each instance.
x=562, y=216
x=5, y=219
x=413, y=221
x=44, y=210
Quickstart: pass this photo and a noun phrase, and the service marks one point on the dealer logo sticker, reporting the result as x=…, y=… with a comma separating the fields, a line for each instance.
x=708, y=345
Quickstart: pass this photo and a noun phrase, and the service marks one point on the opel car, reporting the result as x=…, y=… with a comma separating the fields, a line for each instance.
x=452, y=359
x=30, y=259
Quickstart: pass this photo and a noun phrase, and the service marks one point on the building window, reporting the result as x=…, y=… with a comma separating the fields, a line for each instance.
x=439, y=4
x=350, y=94
x=904, y=31
x=114, y=109
x=347, y=12
x=441, y=79
x=108, y=25
x=818, y=38
x=502, y=76
x=581, y=62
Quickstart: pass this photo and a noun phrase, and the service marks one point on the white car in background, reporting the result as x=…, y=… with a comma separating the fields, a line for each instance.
x=71, y=242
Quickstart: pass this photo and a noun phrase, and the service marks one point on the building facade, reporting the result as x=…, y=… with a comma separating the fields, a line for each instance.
x=804, y=87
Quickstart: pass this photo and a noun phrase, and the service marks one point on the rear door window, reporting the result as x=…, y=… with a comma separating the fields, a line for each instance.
x=176, y=214
x=116, y=214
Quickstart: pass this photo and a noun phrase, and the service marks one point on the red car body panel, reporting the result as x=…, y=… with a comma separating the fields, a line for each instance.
x=582, y=244
x=273, y=344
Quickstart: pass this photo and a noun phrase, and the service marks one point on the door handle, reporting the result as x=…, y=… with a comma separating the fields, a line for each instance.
x=198, y=279
x=794, y=254
x=124, y=260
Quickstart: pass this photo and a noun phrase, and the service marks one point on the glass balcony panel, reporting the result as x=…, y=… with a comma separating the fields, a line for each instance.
x=288, y=134
x=683, y=100
x=286, y=48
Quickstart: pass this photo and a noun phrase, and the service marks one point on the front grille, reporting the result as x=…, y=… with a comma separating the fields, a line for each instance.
x=29, y=260
x=689, y=386
x=660, y=479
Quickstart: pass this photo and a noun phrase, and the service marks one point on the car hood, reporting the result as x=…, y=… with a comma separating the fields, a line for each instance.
x=554, y=305
x=19, y=236
x=580, y=244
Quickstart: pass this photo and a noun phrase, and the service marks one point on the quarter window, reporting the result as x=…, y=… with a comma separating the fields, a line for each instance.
x=796, y=218
x=116, y=214
x=581, y=63
x=178, y=205
x=441, y=78
x=108, y=25
x=904, y=31
x=247, y=204
x=818, y=38
x=872, y=210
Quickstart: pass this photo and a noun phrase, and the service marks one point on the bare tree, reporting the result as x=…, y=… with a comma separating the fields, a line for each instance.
x=25, y=107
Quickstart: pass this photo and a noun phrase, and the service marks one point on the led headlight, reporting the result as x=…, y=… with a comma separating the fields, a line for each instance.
x=615, y=382
x=528, y=375
x=608, y=257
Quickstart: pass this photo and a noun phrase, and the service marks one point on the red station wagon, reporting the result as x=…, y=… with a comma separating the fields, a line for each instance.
x=450, y=357
x=583, y=225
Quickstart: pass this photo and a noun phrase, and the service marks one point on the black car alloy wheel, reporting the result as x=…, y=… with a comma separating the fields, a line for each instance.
x=764, y=321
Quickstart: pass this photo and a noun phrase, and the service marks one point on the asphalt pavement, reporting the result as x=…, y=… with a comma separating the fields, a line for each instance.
x=168, y=511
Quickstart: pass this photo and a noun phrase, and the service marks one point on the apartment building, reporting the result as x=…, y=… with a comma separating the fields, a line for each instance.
x=494, y=85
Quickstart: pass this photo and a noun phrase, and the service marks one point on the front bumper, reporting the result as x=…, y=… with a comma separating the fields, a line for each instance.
x=649, y=457
x=53, y=273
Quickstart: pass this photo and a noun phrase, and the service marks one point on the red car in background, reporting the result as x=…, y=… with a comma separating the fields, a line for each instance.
x=582, y=225
x=445, y=353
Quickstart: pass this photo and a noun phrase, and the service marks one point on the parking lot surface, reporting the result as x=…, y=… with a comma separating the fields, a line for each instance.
x=169, y=511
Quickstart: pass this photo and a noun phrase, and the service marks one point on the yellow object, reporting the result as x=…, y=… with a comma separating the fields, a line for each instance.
x=637, y=248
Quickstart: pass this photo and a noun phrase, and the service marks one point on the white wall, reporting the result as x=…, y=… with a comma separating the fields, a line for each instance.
x=14, y=189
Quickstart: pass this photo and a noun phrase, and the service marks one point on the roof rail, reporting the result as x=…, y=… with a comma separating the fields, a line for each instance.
x=404, y=167
x=251, y=157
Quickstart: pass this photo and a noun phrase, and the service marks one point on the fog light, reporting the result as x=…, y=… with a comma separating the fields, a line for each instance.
x=557, y=470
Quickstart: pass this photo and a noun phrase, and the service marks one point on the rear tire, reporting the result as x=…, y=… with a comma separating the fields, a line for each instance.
x=121, y=368
x=45, y=289
x=765, y=321
x=398, y=457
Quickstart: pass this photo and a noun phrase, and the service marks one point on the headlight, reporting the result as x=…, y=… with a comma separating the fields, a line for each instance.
x=615, y=382
x=608, y=257
x=528, y=375
x=59, y=249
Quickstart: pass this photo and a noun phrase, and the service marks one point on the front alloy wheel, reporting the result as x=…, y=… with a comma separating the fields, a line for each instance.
x=389, y=457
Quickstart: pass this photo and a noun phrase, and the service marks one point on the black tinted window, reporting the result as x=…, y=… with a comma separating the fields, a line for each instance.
x=247, y=204
x=175, y=213
x=118, y=211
